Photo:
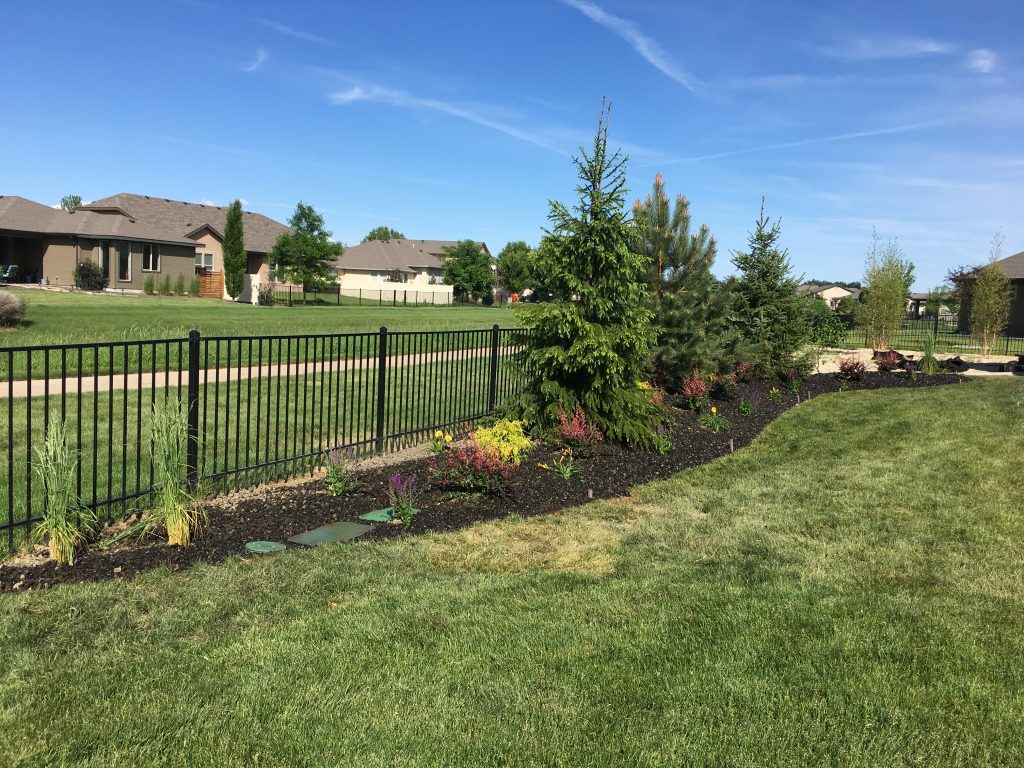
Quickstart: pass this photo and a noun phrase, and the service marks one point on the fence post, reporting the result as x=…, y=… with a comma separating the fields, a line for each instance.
x=935, y=325
x=492, y=384
x=382, y=381
x=192, y=439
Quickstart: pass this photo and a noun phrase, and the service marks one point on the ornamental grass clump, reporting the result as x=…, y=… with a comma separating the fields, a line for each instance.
x=175, y=509
x=929, y=364
x=402, y=494
x=341, y=473
x=66, y=523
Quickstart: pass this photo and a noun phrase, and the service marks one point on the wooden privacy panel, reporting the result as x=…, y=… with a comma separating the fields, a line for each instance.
x=211, y=285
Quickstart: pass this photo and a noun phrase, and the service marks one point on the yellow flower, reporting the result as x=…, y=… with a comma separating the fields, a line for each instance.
x=439, y=433
x=713, y=409
x=447, y=438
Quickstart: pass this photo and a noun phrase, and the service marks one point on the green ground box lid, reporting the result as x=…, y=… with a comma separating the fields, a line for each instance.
x=379, y=516
x=265, y=547
x=327, y=534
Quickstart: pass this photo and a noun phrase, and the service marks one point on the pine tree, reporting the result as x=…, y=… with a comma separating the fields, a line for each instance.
x=589, y=346
x=692, y=309
x=234, y=251
x=766, y=307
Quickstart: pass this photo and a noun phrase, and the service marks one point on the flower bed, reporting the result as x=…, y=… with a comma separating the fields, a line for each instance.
x=606, y=470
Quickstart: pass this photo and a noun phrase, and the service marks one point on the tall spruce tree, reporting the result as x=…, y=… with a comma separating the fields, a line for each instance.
x=234, y=251
x=692, y=309
x=766, y=308
x=589, y=346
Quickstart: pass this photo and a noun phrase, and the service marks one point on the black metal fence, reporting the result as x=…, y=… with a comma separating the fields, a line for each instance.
x=259, y=409
x=945, y=329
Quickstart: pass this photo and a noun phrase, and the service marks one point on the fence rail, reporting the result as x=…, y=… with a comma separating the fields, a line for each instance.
x=259, y=408
x=949, y=337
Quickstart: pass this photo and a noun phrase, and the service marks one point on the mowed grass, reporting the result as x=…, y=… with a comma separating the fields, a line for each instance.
x=846, y=591
x=53, y=317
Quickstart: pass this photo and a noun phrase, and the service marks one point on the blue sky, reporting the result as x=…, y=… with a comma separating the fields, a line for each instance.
x=456, y=119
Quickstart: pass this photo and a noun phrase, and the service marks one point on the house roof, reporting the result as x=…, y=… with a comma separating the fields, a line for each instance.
x=401, y=255
x=186, y=219
x=21, y=215
x=1013, y=266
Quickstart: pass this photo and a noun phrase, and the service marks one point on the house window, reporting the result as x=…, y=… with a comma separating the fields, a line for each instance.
x=124, y=262
x=150, y=257
x=204, y=263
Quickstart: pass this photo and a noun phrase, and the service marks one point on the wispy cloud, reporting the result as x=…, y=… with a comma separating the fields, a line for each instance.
x=261, y=59
x=870, y=48
x=648, y=48
x=982, y=61
x=377, y=94
x=817, y=140
x=284, y=29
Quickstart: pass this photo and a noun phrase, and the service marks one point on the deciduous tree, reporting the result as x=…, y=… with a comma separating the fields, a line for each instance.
x=514, y=263
x=306, y=255
x=383, y=233
x=71, y=203
x=990, y=300
x=468, y=270
x=887, y=280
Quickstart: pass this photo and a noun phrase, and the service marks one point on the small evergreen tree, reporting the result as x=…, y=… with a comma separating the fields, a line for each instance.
x=234, y=251
x=887, y=280
x=468, y=270
x=692, y=309
x=589, y=346
x=305, y=255
x=990, y=300
x=514, y=266
x=383, y=233
x=766, y=307
x=71, y=203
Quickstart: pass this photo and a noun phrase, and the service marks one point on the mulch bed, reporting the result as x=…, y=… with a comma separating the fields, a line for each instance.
x=275, y=514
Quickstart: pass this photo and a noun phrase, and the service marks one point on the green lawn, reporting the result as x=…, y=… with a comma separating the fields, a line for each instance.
x=53, y=317
x=73, y=318
x=847, y=591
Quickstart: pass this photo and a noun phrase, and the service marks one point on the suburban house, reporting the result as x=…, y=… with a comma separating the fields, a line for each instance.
x=409, y=265
x=203, y=225
x=829, y=293
x=1013, y=268
x=131, y=237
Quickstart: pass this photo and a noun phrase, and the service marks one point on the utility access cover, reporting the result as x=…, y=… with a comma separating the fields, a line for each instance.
x=327, y=534
x=380, y=516
x=265, y=547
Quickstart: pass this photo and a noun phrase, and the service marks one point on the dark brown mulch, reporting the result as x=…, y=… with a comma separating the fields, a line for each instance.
x=276, y=514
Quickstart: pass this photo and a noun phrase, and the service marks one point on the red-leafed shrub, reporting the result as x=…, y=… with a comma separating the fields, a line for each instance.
x=576, y=431
x=745, y=372
x=888, y=362
x=850, y=368
x=695, y=391
x=472, y=468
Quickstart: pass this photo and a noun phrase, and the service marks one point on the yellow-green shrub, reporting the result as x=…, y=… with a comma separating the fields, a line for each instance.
x=506, y=440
